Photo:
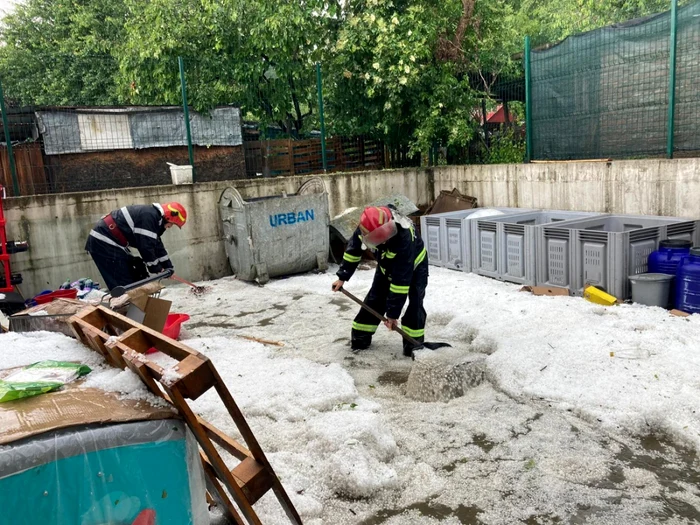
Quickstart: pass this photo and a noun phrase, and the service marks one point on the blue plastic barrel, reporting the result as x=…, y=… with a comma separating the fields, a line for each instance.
x=667, y=258
x=688, y=283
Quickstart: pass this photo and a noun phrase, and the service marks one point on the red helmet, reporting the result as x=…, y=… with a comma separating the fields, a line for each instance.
x=377, y=225
x=175, y=212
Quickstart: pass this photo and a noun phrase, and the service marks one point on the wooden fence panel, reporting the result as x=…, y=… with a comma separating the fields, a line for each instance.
x=274, y=158
x=29, y=164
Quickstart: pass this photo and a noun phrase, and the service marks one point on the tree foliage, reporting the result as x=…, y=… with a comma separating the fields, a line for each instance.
x=549, y=21
x=62, y=52
x=405, y=71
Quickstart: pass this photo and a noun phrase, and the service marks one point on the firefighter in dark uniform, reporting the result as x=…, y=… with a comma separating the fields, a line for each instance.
x=402, y=273
x=139, y=227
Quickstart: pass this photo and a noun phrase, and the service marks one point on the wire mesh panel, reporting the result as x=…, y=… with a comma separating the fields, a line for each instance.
x=73, y=128
x=605, y=93
x=687, y=113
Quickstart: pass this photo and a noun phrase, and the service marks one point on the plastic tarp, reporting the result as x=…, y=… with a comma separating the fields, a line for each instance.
x=604, y=93
x=96, y=129
x=140, y=473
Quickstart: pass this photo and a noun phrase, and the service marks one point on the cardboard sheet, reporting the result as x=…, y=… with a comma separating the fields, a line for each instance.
x=68, y=407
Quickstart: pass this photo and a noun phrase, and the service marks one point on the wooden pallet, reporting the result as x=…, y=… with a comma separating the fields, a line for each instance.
x=123, y=344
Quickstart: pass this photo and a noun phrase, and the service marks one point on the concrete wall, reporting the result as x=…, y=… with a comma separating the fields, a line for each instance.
x=57, y=226
x=640, y=187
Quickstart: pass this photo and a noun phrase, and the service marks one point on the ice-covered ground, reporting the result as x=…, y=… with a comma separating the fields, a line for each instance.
x=588, y=414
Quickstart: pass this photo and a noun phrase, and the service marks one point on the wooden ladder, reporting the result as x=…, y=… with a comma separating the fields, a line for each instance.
x=123, y=344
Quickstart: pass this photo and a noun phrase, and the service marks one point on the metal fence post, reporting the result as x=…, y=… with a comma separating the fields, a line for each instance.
x=670, y=131
x=10, y=153
x=528, y=102
x=319, y=88
x=185, y=108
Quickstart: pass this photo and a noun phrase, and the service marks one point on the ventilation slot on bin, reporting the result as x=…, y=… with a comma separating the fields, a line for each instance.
x=683, y=231
x=454, y=242
x=593, y=236
x=433, y=226
x=554, y=233
x=558, y=261
x=515, y=248
x=487, y=245
x=515, y=229
x=639, y=255
x=594, y=263
x=487, y=226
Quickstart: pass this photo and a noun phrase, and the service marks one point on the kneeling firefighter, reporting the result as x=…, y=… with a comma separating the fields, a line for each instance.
x=139, y=227
x=402, y=273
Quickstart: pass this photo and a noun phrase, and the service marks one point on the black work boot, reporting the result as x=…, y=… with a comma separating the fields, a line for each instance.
x=409, y=348
x=360, y=343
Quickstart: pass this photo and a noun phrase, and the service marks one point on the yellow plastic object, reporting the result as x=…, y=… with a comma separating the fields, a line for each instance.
x=594, y=295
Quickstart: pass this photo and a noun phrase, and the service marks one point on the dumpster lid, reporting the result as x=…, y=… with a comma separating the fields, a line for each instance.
x=346, y=223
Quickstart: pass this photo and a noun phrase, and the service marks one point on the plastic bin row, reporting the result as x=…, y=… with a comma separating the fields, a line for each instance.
x=566, y=249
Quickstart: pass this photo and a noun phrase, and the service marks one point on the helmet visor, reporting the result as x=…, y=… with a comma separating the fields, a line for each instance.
x=380, y=235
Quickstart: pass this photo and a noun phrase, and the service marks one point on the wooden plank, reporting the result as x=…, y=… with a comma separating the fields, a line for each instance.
x=218, y=465
x=134, y=363
x=96, y=340
x=135, y=339
x=96, y=344
x=253, y=479
x=226, y=442
x=197, y=377
x=168, y=346
x=255, y=448
x=290, y=150
x=220, y=494
x=90, y=315
x=246, y=483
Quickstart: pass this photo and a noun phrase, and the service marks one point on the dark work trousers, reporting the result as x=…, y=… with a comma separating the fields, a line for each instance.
x=413, y=321
x=118, y=268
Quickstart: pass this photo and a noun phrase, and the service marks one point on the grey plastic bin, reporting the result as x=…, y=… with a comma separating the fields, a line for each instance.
x=604, y=251
x=505, y=247
x=651, y=289
x=273, y=236
x=447, y=237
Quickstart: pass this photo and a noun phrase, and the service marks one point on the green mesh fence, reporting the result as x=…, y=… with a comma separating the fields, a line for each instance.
x=605, y=93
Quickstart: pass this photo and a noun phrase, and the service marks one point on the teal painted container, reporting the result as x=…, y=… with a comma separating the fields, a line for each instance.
x=141, y=473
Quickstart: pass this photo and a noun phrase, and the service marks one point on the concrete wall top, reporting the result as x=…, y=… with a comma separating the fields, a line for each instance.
x=57, y=225
x=637, y=187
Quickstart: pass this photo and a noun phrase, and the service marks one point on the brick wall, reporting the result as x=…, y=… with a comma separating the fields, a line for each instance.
x=136, y=168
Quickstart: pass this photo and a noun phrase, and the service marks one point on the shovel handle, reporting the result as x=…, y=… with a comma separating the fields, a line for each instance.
x=380, y=317
x=118, y=291
x=183, y=281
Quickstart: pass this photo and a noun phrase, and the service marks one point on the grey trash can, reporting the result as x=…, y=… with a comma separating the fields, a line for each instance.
x=274, y=236
x=651, y=289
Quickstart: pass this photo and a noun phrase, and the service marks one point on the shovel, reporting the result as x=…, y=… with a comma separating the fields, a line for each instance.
x=431, y=346
x=197, y=290
x=118, y=291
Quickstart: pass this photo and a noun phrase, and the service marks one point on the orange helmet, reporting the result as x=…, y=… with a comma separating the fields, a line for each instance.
x=175, y=212
x=377, y=225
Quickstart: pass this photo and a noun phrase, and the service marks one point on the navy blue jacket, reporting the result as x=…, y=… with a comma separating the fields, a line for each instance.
x=142, y=226
x=397, y=259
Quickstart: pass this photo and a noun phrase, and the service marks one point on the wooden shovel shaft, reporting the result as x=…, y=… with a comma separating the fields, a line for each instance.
x=380, y=317
x=184, y=281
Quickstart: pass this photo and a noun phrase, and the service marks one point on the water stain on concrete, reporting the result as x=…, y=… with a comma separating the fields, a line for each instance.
x=429, y=510
x=484, y=444
x=342, y=304
x=393, y=377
